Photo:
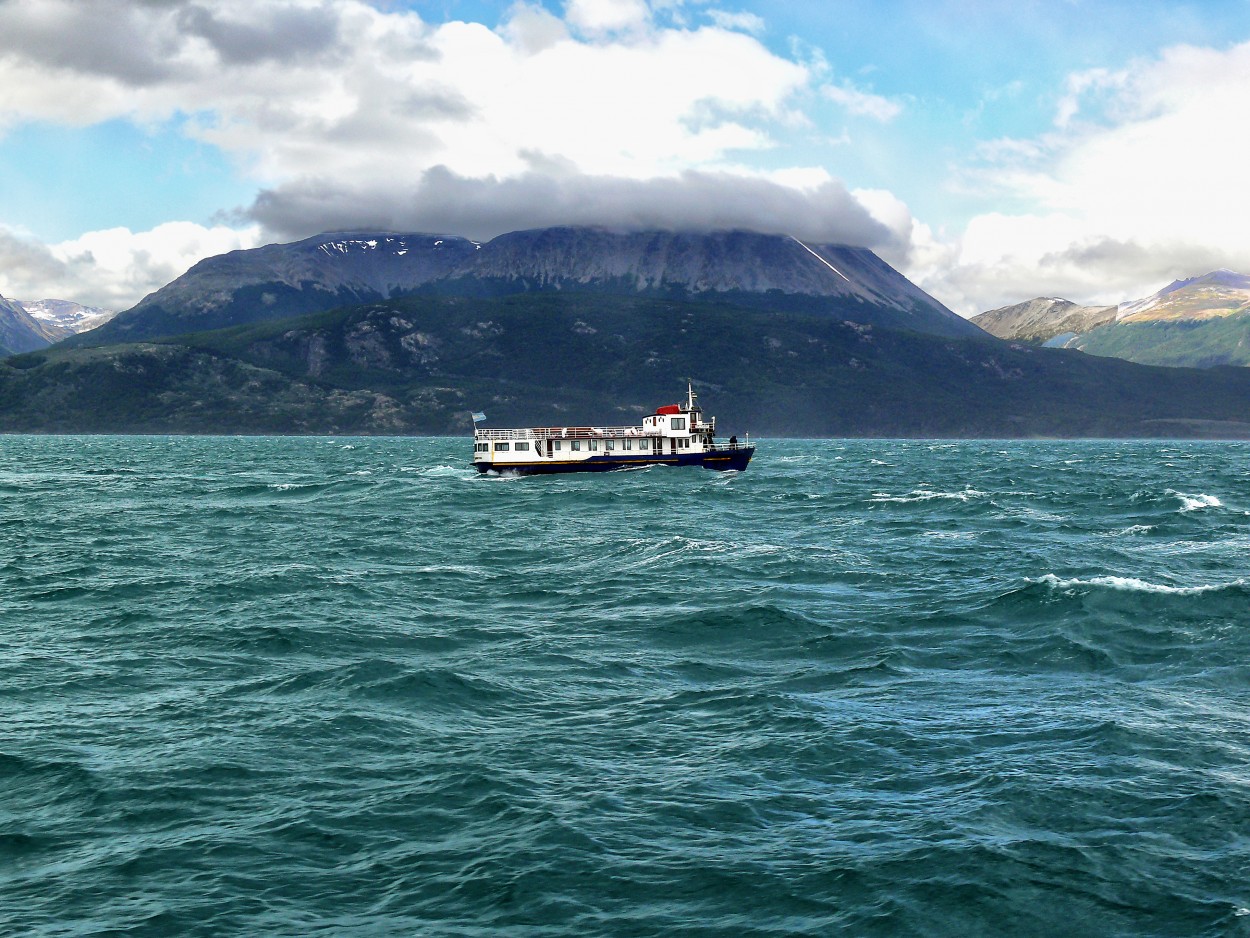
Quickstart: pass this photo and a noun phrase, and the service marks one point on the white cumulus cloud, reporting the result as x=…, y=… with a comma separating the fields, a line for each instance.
x=746, y=22
x=863, y=103
x=312, y=88
x=1141, y=181
x=347, y=113
x=602, y=16
x=112, y=268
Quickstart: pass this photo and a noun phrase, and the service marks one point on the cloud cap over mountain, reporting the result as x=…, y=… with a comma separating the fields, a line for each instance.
x=482, y=208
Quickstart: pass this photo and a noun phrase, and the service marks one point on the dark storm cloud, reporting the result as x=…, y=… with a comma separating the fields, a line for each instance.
x=1132, y=260
x=1097, y=254
x=91, y=37
x=24, y=260
x=444, y=202
x=140, y=42
x=285, y=34
x=441, y=104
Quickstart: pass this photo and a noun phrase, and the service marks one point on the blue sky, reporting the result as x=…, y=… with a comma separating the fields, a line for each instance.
x=991, y=151
x=58, y=181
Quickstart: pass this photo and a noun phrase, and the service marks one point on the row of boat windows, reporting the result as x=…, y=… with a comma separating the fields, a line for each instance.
x=574, y=445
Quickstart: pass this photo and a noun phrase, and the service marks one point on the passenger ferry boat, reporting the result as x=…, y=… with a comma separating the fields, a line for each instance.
x=675, y=435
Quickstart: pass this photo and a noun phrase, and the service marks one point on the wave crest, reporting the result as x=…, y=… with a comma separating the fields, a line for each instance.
x=928, y=495
x=1133, y=585
x=1195, y=502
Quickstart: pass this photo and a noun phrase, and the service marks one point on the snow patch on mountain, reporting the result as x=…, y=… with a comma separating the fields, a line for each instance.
x=64, y=317
x=1213, y=295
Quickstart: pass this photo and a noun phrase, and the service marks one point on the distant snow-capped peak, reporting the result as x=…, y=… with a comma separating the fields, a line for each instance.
x=61, y=318
x=1218, y=293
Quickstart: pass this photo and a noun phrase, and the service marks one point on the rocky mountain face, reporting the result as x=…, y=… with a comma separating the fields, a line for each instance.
x=1040, y=320
x=19, y=332
x=341, y=268
x=331, y=270
x=764, y=271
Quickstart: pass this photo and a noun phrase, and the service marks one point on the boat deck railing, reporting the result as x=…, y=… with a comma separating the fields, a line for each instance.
x=587, y=433
x=564, y=433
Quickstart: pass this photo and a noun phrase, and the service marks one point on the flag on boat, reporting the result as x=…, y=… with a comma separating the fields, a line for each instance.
x=478, y=416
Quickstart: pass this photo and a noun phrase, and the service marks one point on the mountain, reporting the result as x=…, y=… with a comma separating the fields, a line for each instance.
x=19, y=332
x=1211, y=296
x=1197, y=343
x=340, y=268
x=277, y=280
x=587, y=326
x=1200, y=322
x=741, y=267
x=58, y=319
x=1040, y=320
x=420, y=364
x=26, y=326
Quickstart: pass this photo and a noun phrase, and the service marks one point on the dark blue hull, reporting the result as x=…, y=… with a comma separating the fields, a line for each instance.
x=723, y=459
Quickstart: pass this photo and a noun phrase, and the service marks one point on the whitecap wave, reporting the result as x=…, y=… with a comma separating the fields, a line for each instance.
x=1130, y=584
x=1195, y=502
x=928, y=495
x=440, y=471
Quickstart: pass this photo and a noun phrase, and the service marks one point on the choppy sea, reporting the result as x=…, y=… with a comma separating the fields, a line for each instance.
x=273, y=686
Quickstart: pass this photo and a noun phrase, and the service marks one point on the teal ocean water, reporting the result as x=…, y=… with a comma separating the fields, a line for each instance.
x=327, y=687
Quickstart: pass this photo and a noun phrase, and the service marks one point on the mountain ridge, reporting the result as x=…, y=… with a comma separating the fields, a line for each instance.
x=19, y=331
x=27, y=325
x=1040, y=320
x=339, y=268
x=62, y=318
x=1200, y=321
x=1221, y=292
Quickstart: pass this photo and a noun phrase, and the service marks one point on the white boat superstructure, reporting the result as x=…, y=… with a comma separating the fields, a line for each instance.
x=676, y=434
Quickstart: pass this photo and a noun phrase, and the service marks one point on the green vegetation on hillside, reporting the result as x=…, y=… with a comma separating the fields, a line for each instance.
x=1197, y=343
x=419, y=365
